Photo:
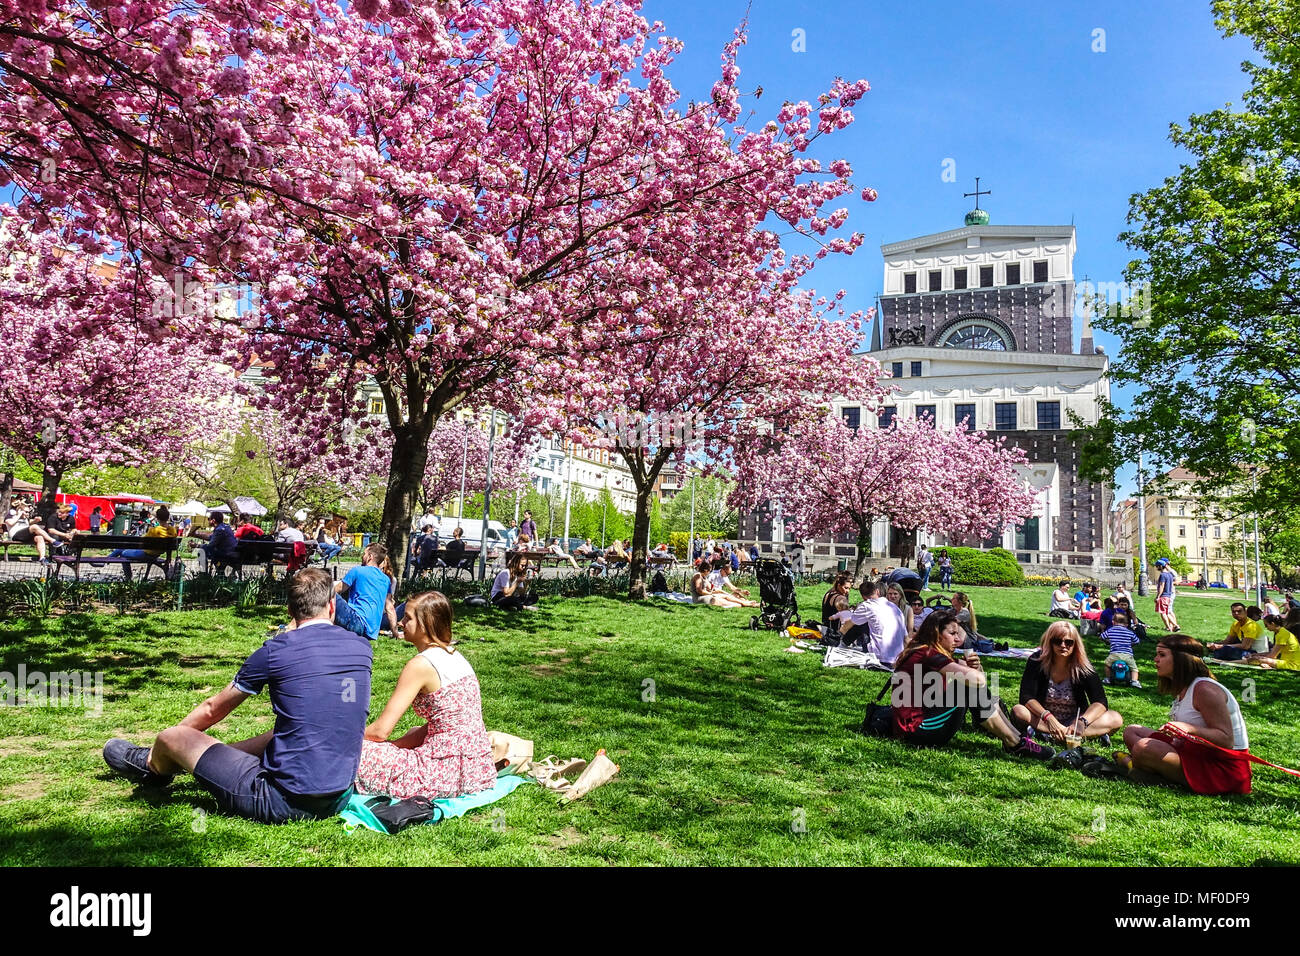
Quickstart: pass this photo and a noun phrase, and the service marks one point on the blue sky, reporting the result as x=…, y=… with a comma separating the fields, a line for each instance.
x=1011, y=92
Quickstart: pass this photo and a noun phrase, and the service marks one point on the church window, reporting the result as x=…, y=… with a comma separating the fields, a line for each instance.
x=959, y=278
x=1013, y=273
x=916, y=369
x=1040, y=270
x=966, y=413
x=936, y=280
x=986, y=277
x=852, y=416
x=887, y=416
x=1004, y=416
x=909, y=281
x=976, y=334
x=1049, y=415
x=926, y=411
x=897, y=370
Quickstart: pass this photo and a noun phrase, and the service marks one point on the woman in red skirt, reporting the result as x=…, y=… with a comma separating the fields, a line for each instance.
x=1202, y=707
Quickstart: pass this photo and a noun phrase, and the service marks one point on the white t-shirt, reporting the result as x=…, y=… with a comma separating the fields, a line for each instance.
x=450, y=667
x=500, y=582
x=1184, y=711
x=290, y=534
x=1061, y=600
x=884, y=621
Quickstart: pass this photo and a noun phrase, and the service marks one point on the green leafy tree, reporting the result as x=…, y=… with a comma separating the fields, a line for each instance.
x=712, y=514
x=1211, y=331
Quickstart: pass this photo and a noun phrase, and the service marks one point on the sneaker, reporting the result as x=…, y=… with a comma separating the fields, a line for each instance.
x=1073, y=758
x=1134, y=683
x=1104, y=742
x=132, y=762
x=1107, y=681
x=1027, y=748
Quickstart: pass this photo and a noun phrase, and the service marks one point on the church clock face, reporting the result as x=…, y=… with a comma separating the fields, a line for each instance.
x=976, y=335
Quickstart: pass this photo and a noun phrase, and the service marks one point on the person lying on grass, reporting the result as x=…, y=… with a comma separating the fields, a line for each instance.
x=448, y=755
x=318, y=678
x=932, y=691
x=1202, y=706
x=1060, y=693
x=720, y=580
x=1285, y=652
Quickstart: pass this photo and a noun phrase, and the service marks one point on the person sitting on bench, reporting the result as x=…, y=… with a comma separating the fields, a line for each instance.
x=318, y=676
x=222, y=546
x=162, y=529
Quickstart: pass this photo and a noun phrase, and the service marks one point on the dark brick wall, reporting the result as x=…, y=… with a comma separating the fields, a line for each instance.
x=1039, y=317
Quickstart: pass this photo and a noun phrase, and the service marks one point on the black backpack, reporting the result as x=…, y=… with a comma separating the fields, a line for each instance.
x=879, y=721
x=657, y=583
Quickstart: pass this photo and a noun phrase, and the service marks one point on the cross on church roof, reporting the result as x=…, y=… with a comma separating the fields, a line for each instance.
x=978, y=192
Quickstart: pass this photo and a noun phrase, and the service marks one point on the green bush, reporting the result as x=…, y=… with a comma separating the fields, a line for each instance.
x=972, y=567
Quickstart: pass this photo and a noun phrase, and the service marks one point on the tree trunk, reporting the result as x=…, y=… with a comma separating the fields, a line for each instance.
x=864, y=552
x=50, y=481
x=640, y=528
x=6, y=493
x=405, y=474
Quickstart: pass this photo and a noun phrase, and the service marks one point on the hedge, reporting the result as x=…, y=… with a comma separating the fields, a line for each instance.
x=973, y=567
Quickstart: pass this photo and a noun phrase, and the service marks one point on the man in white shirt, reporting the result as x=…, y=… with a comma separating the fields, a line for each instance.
x=290, y=532
x=877, y=624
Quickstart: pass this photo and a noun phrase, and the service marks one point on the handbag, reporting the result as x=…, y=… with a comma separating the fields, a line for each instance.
x=879, y=721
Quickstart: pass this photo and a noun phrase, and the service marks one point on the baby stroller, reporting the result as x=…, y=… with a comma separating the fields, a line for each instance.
x=780, y=609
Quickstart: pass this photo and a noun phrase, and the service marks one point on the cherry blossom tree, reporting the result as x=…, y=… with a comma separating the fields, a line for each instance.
x=833, y=479
x=722, y=372
x=451, y=200
x=84, y=383
x=456, y=447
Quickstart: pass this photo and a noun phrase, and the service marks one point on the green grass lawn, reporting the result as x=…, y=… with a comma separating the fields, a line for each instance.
x=742, y=747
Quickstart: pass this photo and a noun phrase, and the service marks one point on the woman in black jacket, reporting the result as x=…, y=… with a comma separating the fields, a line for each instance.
x=1060, y=693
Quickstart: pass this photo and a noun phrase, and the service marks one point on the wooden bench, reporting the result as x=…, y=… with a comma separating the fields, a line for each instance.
x=6, y=544
x=266, y=551
x=166, y=549
x=540, y=556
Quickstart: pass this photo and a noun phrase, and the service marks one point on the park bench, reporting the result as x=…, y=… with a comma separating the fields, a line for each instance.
x=266, y=551
x=165, y=558
x=462, y=561
x=6, y=544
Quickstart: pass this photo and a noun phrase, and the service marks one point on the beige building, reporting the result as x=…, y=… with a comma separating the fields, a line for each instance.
x=1189, y=525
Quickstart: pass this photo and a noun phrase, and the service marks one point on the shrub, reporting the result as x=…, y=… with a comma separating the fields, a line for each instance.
x=994, y=568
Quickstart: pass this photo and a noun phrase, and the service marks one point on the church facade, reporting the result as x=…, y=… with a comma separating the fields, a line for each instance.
x=975, y=328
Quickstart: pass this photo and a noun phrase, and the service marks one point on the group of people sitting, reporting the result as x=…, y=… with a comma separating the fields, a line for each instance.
x=45, y=525
x=221, y=540
x=1265, y=639
x=317, y=671
x=711, y=585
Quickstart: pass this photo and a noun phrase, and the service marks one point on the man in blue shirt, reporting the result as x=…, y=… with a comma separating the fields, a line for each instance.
x=318, y=676
x=368, y=590
x=221, y=542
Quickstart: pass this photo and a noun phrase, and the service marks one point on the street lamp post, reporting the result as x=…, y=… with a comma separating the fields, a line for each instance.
x=487, y=500
x=464, y=464
x=1205, y=557
x=1142, y=530
x=690, y=544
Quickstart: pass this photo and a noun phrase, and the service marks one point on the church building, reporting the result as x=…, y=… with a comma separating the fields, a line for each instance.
x=976, y=325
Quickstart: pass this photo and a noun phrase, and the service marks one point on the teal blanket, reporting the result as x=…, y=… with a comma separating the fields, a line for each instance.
x=356, y=813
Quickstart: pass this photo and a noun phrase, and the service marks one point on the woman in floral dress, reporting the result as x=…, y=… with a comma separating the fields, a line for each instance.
x=450, y=754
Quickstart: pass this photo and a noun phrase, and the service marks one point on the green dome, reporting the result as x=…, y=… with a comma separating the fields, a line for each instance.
x=977, y=217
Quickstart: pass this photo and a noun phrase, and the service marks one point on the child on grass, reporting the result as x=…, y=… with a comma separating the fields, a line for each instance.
x=1120, y=640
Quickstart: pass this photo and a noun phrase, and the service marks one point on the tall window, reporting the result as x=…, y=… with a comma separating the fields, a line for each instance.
x=897, y=370
x=926, y=411
x=916, y=369
x=986, y=277
x=1013, y=273
x=852, y=416
x=887, y=416
x=967, y=413
x=1049, y=415
x=959, y=278
x=1040, y=270
x=909, y=281
x=1182, y=531
x=1004, y=416
x=1182, y=509
x=936, y=280
x=1218, y=531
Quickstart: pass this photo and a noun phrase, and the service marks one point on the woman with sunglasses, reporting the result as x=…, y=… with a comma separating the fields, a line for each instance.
x=1060, y=693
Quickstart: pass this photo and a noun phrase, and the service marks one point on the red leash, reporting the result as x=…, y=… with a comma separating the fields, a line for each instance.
x=1170, y=730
